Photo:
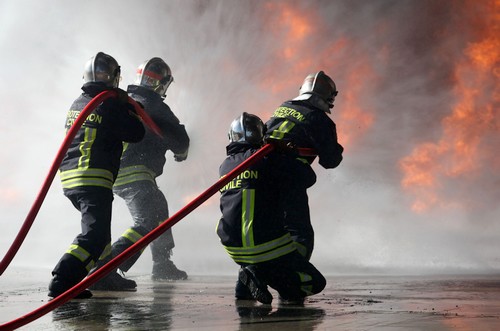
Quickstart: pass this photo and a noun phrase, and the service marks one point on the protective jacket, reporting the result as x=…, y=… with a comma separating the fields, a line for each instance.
x=305, y=126
x=145, y=160
x=302, y=124
x=93, y=157
x=252, y=225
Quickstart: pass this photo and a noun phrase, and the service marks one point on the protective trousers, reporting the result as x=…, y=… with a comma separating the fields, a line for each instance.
x=149, y=208
x=95, y=206
x=296, y=205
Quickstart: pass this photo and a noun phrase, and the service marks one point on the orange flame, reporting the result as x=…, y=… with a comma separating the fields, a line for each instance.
x=296, y=31
x=464, y=151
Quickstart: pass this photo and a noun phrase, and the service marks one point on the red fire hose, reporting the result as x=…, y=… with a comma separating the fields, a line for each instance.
x=140, y=244
x=28, y=222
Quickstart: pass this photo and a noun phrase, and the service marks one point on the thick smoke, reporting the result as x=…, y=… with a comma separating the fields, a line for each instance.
x=404, y=70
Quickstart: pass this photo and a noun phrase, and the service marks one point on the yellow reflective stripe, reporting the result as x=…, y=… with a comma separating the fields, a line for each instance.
x=285, y=239
x=135, y=173
x=301, y=248
x=132, y=235
x=307, y=289
x=86, y=177
x=305, y=278
x=247, y=213
x=284, y=128
x=87, y=182
x=263, y=252
x=257, y=258
x=302, y=160
x=86, y=172
x=106, y=252
x=90, y=265
x=85, y=147
x=78, y=252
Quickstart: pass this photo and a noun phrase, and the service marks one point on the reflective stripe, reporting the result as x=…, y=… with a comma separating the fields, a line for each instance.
x=106, y=252
x=247, y=213
x=303, y=160
x=82, y=255
x=263, y=252
x=305, y=278
x=301, y=248
x=90, y=265
x=85, y=147
x=132, y=235
x=307, y=289
x=78, y=252
x=133, y=174
x=284, y=128
x=86, y=177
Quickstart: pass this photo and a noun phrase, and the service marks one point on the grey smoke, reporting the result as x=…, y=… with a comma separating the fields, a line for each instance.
x=225, y=57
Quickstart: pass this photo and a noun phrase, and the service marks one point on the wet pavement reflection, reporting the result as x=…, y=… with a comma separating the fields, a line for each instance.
x=207, y=303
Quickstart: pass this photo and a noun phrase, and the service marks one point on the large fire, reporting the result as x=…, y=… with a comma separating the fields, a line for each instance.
x=433, y=169
x=464, y=150
x=297, y=32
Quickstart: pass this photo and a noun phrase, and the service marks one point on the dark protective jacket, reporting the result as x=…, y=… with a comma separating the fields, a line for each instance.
x=252, y=225
x=305, y=126
x=145, y=160
x=93, y=157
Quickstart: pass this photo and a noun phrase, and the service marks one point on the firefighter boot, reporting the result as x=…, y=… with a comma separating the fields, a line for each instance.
x=58, y=285
x=68, y=272
x=258, y=289
x=114, y=282
x=166, y=270
x=241, y=291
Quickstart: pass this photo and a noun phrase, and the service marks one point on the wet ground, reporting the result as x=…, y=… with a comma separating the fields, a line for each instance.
x=207, y=303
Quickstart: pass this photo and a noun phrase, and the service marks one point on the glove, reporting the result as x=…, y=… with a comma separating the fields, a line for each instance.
x=283, y=146
x=180, y=157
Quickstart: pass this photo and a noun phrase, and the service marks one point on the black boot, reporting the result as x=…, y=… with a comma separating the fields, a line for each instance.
x=58, y=286
x=114, y=282
x=166, y=270
x=242, y=292
x=248, y=276
x=68, y=272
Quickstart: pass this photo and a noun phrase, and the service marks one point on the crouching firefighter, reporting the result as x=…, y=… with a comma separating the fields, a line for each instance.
x=252, y=226
x=89, y=169
x=303, y=122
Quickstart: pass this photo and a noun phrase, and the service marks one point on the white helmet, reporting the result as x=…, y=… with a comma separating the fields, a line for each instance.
x=102, y=68
x=155, y=75
x=247, y=127
x=319, y=89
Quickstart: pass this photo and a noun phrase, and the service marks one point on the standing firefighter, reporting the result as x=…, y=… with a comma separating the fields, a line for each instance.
x=303, y=123
x=90, y=167
x=141, y=164
x=252, y=228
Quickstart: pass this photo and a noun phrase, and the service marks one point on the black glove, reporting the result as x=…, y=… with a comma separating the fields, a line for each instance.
x=281, y=145
x=180, y=157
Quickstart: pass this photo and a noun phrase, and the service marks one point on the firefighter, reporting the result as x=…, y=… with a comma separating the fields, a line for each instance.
x=89, y=169
x=303, y=123
x=140, y=165
x=252, y=228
